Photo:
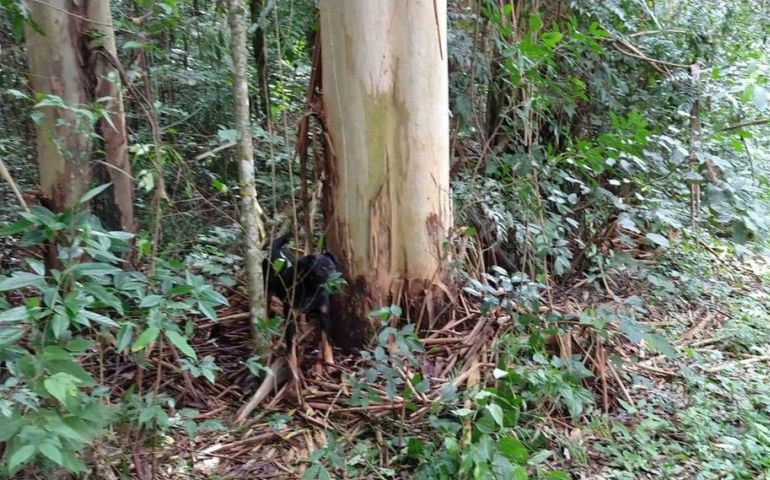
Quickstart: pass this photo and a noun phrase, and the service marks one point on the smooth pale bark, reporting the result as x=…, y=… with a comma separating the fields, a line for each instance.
x=63, y=138
x=386, y=101
x=250, y=210
x=74, y=60
x=119, y=206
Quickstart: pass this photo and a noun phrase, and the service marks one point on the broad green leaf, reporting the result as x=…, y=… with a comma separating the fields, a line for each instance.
x=14, y=314
x=104, y=296
x=634, y=331
x=124, y=337
x=132, y=44
x=9, y=427
x=502, y=467
x=94, y=192
x=150, y=301
x=99, y=318
x=37, y=266
x=206, y=309
x=16, y=227
x=658, y=239
x=519, y=473
x=20, y=457
x=59, y=324
x=497, y=413
x=550, y=39
x=661, y=345
x=21, y=280
x=558, y=475
x=61, y=385
x=760, y=97
x=462, y=412
x=118, y=235
x=52, y=452
x=93, y=269
x=145, y=338
x=181, y=343
x=513, y=449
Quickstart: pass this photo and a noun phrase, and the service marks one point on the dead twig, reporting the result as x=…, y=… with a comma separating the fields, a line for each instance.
x=6, y=175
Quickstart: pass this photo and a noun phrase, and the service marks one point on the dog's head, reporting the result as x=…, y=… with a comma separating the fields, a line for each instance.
x=317, y=268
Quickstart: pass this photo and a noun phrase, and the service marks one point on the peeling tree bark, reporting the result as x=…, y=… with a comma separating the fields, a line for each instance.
x=74, y=60
x=258, y=45
x=118, y=202
x=251, y=213
x=55, y=63
x=388, y=207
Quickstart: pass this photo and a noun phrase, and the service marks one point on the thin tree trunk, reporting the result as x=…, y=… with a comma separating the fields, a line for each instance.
x=118, y=202
x=258, y=45
x=251, y=212
x=695, y=129
x=386, y=99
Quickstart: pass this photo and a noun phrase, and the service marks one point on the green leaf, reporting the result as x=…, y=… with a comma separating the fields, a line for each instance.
x=59, y=324
x=132, y=44
x=519, y=473
x=150, y=301
x=502, y=467
x=145, y=338
x=99, y=318
x=118, y=235
x=513, y=449
x=61, y=385
x=21, y=280
x=206, y=309
x=658, y=239
x=181, y=343
x=497, y=413
x=93, y=269
x=37, y=266
x=52, y=452
x=16, y=227
x=14, y=314
x=760, y=97
x=104, y=296
x=9, y=427
x=535, y=22
x=124, y=337
x=634, y=331
x=93, y=192
x=550, y=39
x=558, y=475
x=20, y=457
x=661, y=345
x=462, y=412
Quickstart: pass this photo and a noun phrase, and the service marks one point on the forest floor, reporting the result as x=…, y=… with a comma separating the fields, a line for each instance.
x=704, y=413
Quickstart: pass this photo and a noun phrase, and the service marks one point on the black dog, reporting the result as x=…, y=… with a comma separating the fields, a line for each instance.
x=300, y=284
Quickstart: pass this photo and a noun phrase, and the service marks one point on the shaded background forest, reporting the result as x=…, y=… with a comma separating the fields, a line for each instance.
x=609, y=167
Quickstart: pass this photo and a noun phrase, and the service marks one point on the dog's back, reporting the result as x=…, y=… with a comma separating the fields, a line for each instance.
x=279, y=281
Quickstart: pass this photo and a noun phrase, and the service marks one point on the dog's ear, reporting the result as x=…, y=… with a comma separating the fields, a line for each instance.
x=330, y=256
x=306, y=263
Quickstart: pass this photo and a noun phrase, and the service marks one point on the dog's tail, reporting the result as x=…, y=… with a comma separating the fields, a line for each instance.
x=276, y=248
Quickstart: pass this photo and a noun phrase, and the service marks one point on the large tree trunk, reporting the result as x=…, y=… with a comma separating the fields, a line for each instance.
x=63, y=138
x=75, y=60
x=117, y=204
x=251, y=212
x=386, y=99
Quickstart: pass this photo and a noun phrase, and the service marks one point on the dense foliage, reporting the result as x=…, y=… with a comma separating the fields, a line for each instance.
x=611, y=176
